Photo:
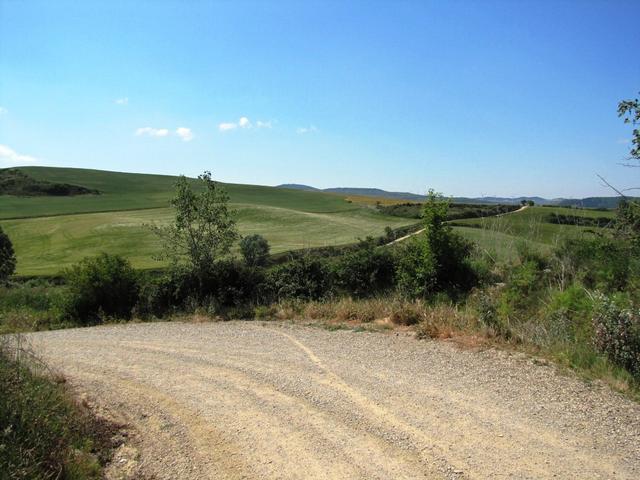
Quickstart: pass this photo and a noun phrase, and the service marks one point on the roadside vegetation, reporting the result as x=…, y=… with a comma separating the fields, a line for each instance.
x=45, y=433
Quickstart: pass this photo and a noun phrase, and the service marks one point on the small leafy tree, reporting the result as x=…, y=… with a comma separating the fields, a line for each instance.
x=439, y=258
x=204, y=228
x=255, y=250
x=7, y=257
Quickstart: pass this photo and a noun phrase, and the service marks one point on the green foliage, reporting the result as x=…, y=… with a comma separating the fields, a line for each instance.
x=456, y=211
x=488, y=315
x=437, y=260
x=599, y=263
x=204, y=228
x=304, y=278
x=227, y=284
x=564, y=219
x=630, y=111
x=627, y=222
x=7, y=257
x=434, y=211
x=43, y=435
x=365, y=271
x=28, y=306
x=99, y=287
x=16, y=182
x=568, y=314
x=416, y=268
x=617, y=334
x=255, y=250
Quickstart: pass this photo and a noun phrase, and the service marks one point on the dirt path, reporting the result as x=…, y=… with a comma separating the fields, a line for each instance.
x=252, y=400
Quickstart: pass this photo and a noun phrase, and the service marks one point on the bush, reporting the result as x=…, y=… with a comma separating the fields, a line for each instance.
x=99, y=287
x=599, y=263
x=7, y=257
x=304, y=278
x=439, y=260
x=33, y=305
x=227, y=284
x=255, y=250
x=365, y=271
x=569, y=315
x=617, y=334
x=416, y=268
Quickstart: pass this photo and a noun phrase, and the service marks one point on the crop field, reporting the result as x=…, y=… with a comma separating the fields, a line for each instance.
x=50, y=233
x=501, y=235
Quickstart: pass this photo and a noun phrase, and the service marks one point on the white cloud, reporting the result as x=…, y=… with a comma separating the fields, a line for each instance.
x=185, y=133
x=223, y=127
x=122, y=101
x=3, y=111
x=152, y=132
x=243, y=122
x=261, y=124
x=11, y=158
x=303, y=130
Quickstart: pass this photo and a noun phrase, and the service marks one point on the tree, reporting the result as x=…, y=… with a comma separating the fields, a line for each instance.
x=628, y=214
x=630, y=111
x=439, y=258
x=255, y=250
x=204, y=228
x=7, y=257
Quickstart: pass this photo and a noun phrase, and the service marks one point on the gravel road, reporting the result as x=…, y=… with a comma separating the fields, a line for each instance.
x=270, y=400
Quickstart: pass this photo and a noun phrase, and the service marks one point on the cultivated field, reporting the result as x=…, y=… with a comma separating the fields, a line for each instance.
x=50, y=233
x=501, y=235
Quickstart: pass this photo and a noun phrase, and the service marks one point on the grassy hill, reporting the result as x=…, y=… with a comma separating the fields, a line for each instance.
x=135, y=191
x=50, y=233
x=533, y=225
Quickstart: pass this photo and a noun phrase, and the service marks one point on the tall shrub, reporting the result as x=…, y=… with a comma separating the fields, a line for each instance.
x=7, y=257
x=100, y=286
x=366, y=270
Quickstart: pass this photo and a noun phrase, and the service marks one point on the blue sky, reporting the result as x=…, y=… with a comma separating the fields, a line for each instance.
x=470, y=98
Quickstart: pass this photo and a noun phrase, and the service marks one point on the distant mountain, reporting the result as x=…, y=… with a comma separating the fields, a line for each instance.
x=593, y=202
x=589, y=202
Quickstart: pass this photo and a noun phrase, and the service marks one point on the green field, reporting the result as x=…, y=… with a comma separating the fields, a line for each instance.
x=50, y=233
x=501, y=235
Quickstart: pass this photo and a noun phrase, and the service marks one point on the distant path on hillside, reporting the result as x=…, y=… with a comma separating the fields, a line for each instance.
x=268, y=400
x=524, y=207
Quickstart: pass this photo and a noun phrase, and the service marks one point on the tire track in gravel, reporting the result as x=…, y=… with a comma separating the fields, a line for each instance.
x=241, y=400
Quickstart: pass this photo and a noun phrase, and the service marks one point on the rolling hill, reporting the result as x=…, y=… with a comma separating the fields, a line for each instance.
x=589, y=202
x=50, y=233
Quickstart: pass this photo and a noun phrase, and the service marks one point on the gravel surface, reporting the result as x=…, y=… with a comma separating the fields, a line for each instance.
x=270, y=400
